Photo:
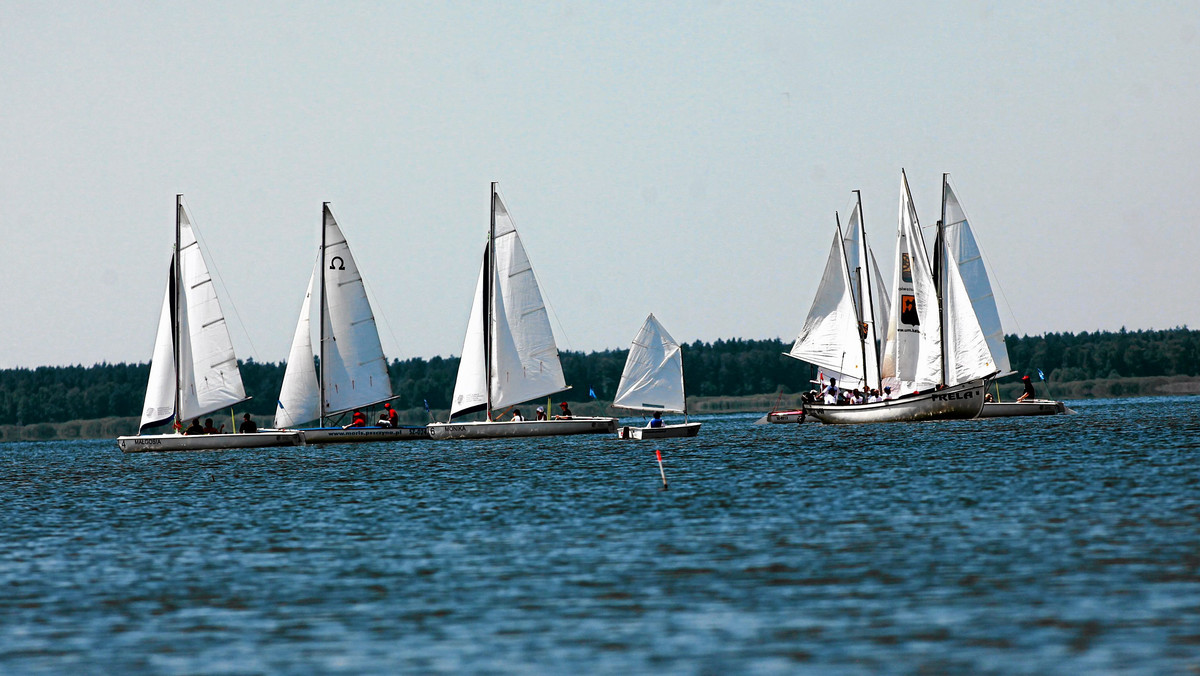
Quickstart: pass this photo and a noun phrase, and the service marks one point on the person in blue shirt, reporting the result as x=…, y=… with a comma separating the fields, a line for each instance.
x=657, y=420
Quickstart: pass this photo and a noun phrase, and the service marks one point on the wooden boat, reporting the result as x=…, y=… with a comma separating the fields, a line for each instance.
x=653, y=381
x=956, y=402
x=935, y=358
x=194, y=370
x=509, y=355
x=353, y=370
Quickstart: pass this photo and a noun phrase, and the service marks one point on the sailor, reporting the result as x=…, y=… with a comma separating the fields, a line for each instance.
x=516, y=416
x=541, y=413
x=247, y=426
x=657, y=420
x=564, y=412
x=1028, y=389
x=392, y=416
x=210, y=429
x=357, y=420
x=887, y=394
x=830, y=392
x=195, y=428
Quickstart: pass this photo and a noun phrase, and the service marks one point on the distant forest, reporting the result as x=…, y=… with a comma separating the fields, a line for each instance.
x=722, y=368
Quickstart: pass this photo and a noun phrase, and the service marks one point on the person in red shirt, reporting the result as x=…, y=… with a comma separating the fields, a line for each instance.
x=358, y=420
x=392, y=417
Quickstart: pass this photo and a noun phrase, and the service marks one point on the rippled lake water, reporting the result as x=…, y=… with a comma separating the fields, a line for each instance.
x=1042, y=545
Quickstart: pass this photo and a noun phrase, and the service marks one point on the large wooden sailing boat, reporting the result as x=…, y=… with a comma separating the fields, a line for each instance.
x=509, y=355
x=935, y=359
x=194, y=370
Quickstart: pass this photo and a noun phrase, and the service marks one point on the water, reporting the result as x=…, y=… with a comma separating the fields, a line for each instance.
x=1038, y=545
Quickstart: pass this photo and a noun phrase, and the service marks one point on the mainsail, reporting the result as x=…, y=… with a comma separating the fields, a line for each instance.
x=913, y=354
x=202, y=370
x=961, y=245
x=870, y=298
x=353, y=368
x=653, y=375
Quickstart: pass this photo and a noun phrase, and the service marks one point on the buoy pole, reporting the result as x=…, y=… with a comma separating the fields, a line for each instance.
x=658, y=453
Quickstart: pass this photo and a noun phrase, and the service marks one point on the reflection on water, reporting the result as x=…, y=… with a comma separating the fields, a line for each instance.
x=1040, y=545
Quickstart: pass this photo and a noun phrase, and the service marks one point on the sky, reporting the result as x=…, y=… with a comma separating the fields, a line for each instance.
x=680, y=158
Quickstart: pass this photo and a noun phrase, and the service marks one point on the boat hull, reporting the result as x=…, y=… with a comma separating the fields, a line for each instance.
x=665, y=432
x=783, y=417
x=359, y=435
x=153, y=443
x=1006, y=409
x=525, y=428
x=957, y=402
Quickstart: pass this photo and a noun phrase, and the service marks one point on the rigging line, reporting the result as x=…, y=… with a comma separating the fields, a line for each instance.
x=215, y=273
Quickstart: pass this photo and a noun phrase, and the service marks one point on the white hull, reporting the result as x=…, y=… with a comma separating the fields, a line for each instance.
x=664, y=432
x=525, y=428
x=207, y=442
x=1005, y=409
x=358, y=435
x=782, y=417
x=952, y=403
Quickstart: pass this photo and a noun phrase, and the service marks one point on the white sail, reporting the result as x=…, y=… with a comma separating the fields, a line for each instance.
x=960, y=242
x=830, y=338
x=299, y=395
x=868, y=292
x=653, y=375
x=912, y=357
x=524, y=360
x=209, y=375
x=966, y=348
x=160, y=390
x=470, y=388
x=353, y=369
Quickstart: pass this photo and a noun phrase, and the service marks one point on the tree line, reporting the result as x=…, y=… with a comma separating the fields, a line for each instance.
x=734, y=367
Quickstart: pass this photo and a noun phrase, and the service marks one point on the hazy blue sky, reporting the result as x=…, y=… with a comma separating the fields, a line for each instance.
x=680, y=158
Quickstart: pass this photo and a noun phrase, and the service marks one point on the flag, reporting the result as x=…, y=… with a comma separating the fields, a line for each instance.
x=591, y=392
x=280, y=402
x=1041, y=375
x=426, y=405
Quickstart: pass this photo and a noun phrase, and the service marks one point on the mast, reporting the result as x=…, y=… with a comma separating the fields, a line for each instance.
x=177, y=282
x=862, y=346
x=865, y=284
x=489, y=292
x=321, y=340
x=940, y=278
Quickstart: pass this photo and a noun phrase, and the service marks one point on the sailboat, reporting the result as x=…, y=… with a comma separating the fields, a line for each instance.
x=935, y=359
x=653, y=381
x=194, y=370
x=509, y=355
x=961, y=245
x=353, y=370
